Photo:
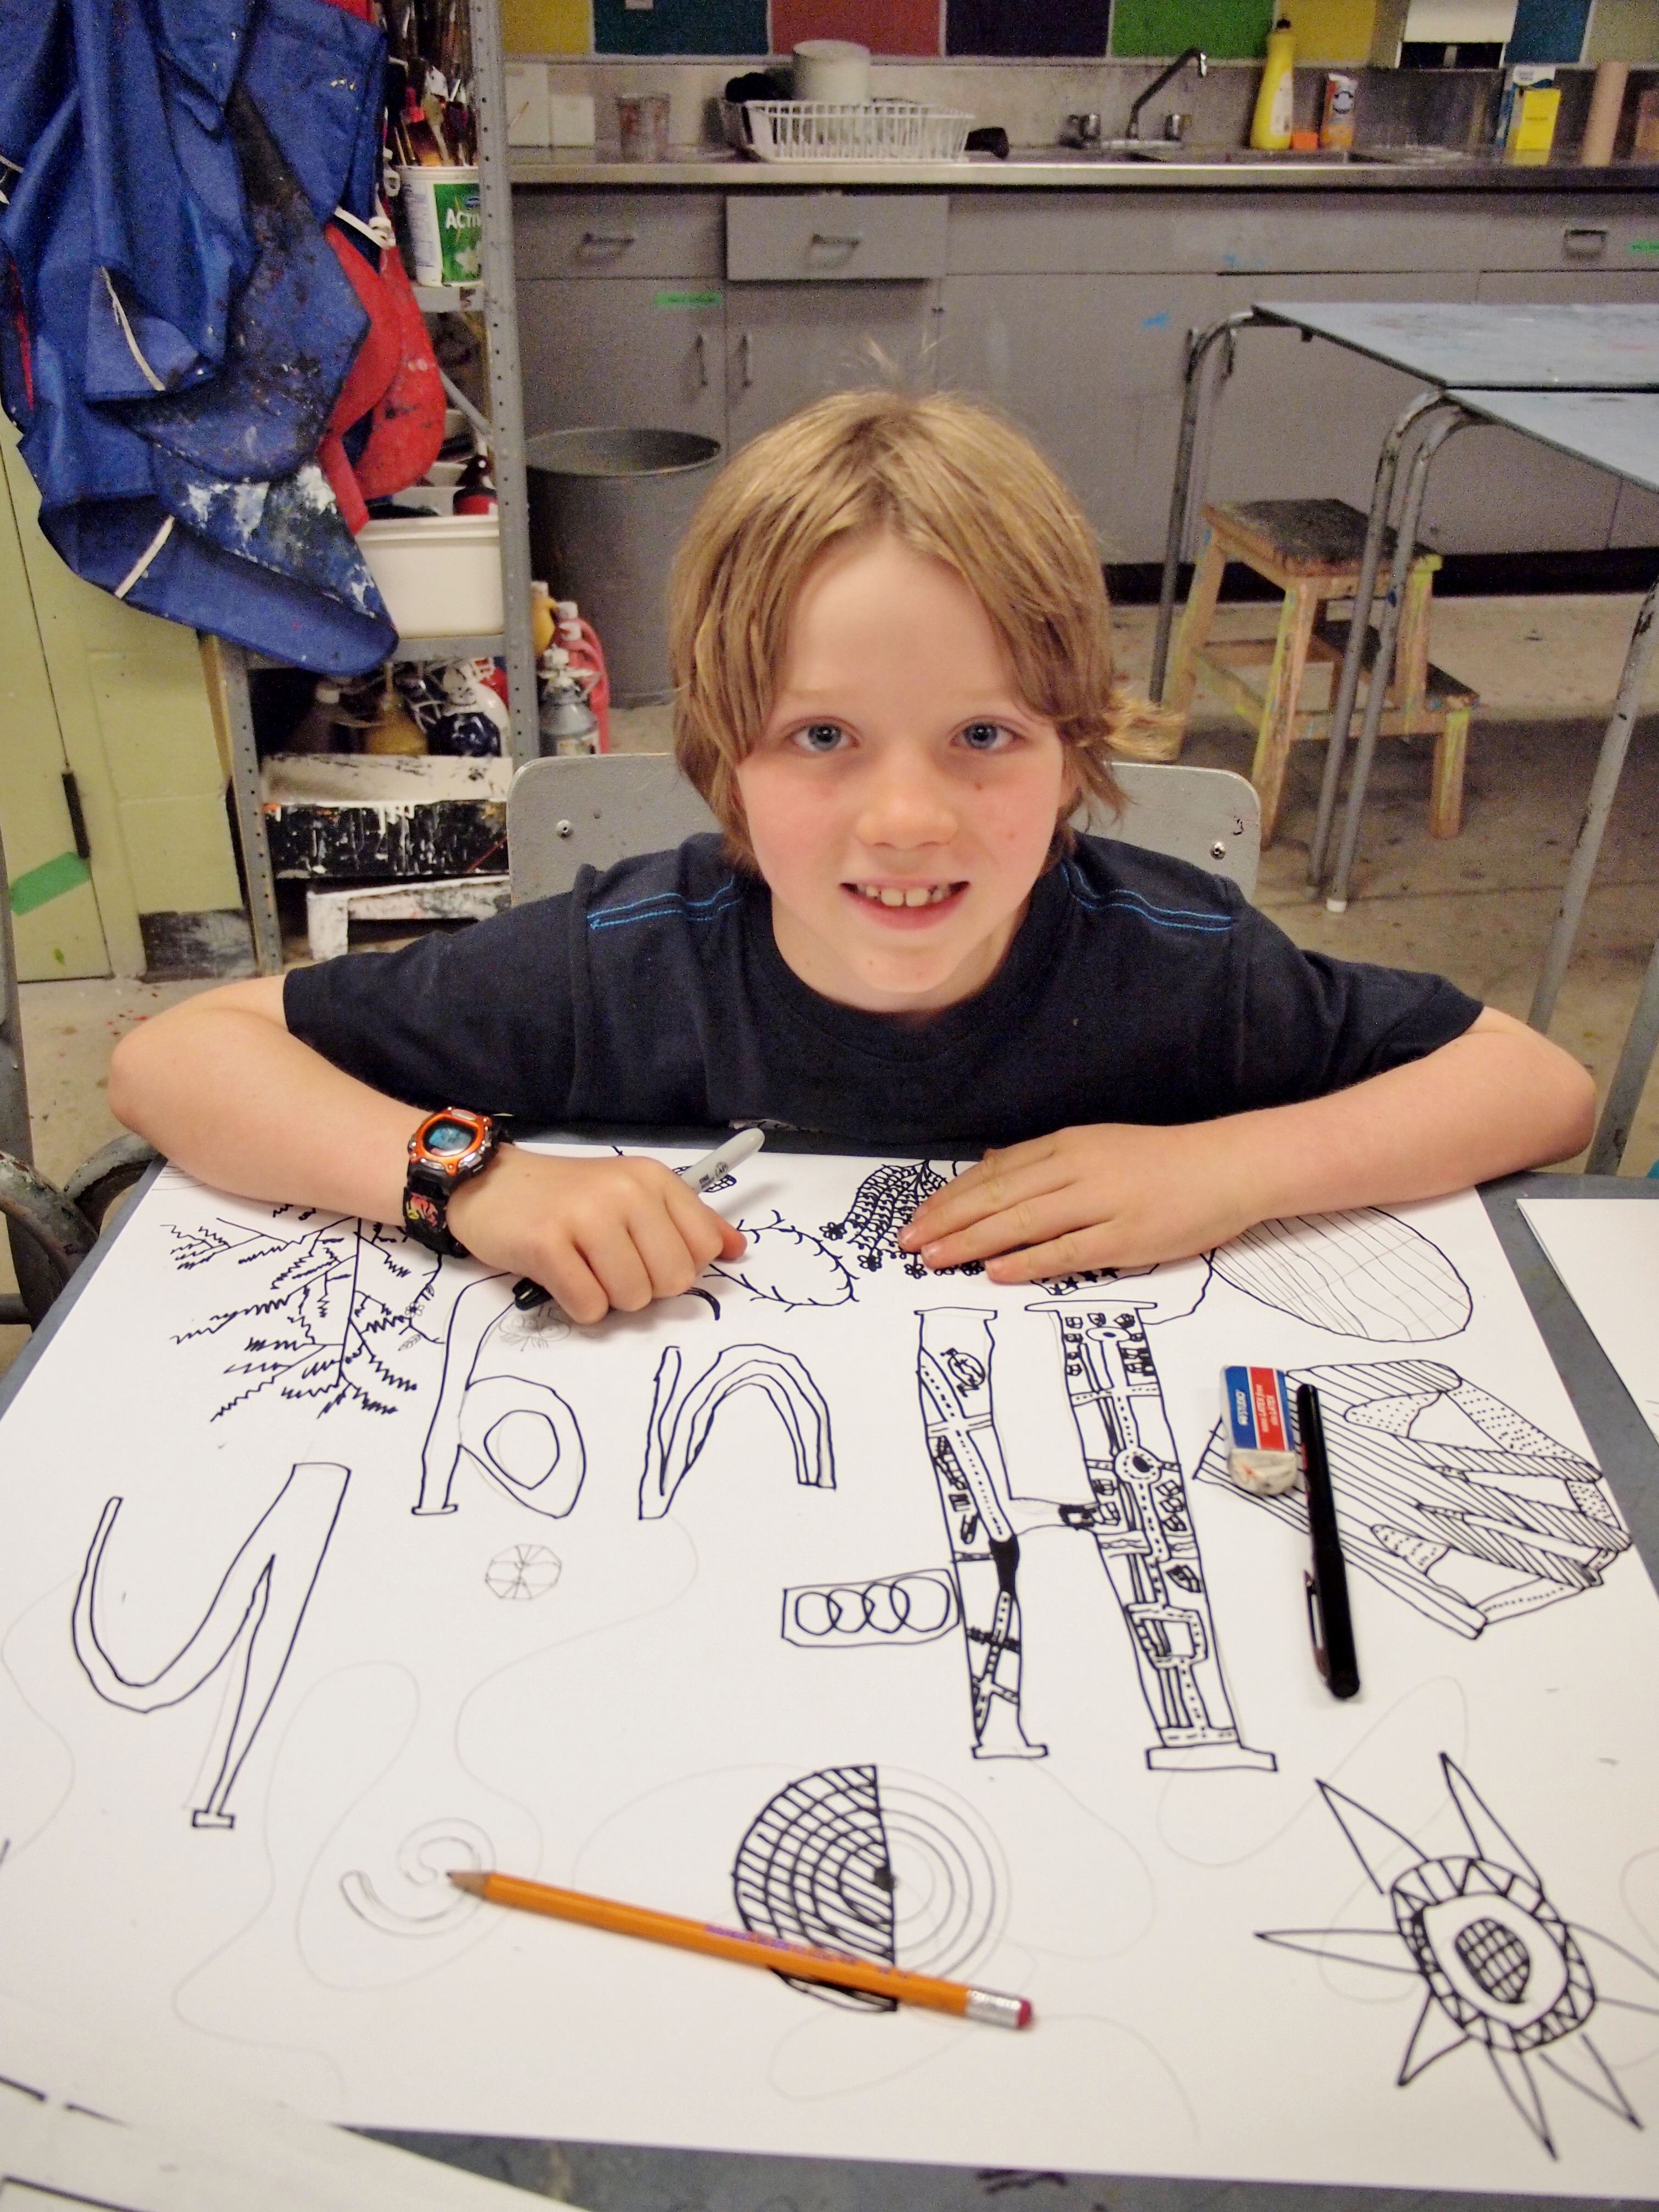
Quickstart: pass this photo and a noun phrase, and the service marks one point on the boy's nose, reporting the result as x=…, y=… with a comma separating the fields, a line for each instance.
x=907, y=805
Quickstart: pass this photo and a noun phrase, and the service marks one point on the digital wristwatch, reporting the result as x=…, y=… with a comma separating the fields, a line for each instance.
x=448, y=1150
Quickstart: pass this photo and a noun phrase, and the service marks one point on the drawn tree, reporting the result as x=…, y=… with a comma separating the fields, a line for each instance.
x=328, y=1303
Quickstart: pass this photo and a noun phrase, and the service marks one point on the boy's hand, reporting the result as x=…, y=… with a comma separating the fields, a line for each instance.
x=1111, y=1194
x=595, y=1233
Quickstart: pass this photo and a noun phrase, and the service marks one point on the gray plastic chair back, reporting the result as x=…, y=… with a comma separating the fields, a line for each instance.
x=593, y=810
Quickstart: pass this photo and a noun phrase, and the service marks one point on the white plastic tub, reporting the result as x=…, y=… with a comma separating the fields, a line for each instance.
x=440, y=574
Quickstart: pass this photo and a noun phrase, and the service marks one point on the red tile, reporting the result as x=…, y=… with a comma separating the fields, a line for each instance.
x=886, y=27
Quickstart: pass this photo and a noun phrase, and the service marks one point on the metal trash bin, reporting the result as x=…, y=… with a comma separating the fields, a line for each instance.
x=607, y=510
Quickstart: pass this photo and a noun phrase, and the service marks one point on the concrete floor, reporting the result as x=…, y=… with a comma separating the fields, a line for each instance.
x=1477, y=907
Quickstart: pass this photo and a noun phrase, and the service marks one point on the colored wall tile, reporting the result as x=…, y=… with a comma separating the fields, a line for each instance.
x=679, y=26
x=1624, y=30
x=547, y=27
x=1032, y=27
x=1548, y=31
x=1229, y=29
x=886, y=27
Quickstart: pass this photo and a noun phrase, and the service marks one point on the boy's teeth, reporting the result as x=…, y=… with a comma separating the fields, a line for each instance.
x=890, y=894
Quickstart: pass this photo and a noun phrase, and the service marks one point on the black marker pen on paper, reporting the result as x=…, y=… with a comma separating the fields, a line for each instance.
x=1329, y=1616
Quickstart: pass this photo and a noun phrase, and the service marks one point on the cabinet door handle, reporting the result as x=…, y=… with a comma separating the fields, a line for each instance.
x=1584, y=239
x=700, y=345
x=846, y=238
x=747, y=358
x=609, y=241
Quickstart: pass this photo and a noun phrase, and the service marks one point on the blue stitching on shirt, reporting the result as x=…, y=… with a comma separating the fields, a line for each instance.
x=1161, y=917
x=664, y=904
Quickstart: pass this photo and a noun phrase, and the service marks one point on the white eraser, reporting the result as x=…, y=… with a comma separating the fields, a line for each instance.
x=526, y=104
x=570, y=115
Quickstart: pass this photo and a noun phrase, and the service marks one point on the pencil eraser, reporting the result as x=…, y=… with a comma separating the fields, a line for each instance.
x=1262, y=1454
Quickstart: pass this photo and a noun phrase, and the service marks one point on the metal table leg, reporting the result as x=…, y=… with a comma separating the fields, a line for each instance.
x=1198, y=347
x=1628, y=1079
x=1404, y=552
x=232, y=663
x=1347, y=684
x=1608, y=768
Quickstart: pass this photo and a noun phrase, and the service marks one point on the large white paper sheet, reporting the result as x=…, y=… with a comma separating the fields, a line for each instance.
x=1607, y=1252
x=909, y=1614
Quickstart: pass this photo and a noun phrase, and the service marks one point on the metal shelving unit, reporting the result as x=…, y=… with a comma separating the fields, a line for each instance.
x=227, y=665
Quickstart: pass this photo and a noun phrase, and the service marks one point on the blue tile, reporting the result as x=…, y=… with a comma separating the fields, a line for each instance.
x=680, y=26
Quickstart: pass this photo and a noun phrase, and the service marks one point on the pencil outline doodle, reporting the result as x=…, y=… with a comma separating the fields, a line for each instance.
x=884, y=1201
x=1363, y=1273
x=786, y=1266
x=683, y=1413
x=497, y=1419
x=316, y=1332
x=425, y=1859
x=917, y=1607
x=1139, y=1516
x=816, y=1866
x=519, y=1574
x=300, y=1518
x=1414, y=1513
x=1500, y=1967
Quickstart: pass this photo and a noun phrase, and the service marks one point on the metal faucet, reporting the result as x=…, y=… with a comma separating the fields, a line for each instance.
x=1193, y=54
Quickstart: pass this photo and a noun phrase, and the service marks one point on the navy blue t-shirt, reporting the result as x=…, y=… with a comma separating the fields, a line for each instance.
x=1137, y=989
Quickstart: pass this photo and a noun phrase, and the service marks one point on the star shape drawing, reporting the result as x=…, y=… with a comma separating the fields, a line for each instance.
x=1501, y=1968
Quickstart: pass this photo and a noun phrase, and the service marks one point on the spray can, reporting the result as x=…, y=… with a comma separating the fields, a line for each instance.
x=568, y=724
x=1336, y=127
x=581, y=642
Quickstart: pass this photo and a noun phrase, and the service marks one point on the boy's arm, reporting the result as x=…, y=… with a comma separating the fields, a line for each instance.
x=221, y=1086
x=1496, y=1099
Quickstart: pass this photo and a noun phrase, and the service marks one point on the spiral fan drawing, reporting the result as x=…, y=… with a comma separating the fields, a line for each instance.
x=846, y=1861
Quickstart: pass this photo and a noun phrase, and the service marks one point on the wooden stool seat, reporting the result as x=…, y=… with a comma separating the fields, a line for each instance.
x=1311, y=549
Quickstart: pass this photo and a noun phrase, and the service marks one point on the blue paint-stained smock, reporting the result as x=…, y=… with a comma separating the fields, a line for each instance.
x=177, y=328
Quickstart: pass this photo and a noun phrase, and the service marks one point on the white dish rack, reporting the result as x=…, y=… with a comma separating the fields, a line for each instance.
x=824, y=131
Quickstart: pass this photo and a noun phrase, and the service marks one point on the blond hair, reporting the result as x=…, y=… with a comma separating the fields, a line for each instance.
x=949, y=479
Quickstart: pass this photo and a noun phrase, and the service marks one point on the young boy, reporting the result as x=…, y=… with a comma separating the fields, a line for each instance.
x=893, y=657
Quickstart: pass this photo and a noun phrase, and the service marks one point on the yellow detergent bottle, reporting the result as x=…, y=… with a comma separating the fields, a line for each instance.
x=1270, y=126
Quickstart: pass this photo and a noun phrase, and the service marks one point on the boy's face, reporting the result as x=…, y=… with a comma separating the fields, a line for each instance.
x=902, y=796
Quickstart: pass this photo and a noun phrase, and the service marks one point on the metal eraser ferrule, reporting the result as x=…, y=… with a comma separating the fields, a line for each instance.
x=991, y=2010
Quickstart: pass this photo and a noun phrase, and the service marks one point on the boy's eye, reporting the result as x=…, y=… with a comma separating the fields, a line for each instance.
x=821, y=738
x=986, y=737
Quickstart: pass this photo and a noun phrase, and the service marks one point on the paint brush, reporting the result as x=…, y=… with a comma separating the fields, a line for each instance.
x=702, y=1175
x=806, y=1964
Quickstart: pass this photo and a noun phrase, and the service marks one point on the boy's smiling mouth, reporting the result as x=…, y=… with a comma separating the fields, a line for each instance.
x=905, y=898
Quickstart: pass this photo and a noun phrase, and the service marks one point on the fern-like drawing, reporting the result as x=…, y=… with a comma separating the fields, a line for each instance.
x=881, y=1206
x=1501, y=1968
x=782, y=1266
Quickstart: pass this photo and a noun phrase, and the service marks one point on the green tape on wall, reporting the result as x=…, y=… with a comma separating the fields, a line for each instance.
x=686, y=300
x=49, y=881
x=1230, y=30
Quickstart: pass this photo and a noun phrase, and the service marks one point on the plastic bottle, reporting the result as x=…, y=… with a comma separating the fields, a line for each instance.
x=568, y=724
x=1270, y=126
x=581, y=642
x=319, y=729
x=475, y=489
x=394, y=729
x=541, y=618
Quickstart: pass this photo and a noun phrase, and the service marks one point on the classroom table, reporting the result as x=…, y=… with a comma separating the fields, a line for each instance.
x=1523, y=366
x=617, y=2177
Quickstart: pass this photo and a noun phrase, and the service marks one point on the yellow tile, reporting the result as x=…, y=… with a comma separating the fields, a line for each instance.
x=1334, y=30
x=547, y=27
x=180, y=854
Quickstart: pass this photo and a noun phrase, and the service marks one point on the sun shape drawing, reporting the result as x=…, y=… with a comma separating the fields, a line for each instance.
x=1501, y=1968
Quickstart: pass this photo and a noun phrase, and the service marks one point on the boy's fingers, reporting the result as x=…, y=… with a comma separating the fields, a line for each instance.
x=1038, y=1204
x=671, y=1260
x=1072, y=1254
x=708, y=1235
x=566, y=1276
x=622, y=1274
x=964, y=1203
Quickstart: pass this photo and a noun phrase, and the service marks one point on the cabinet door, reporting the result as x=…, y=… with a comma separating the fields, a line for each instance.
x=1307, y=421
x=1090, y=367
x=790, y=344
x=1511, y=495
x=641, y=353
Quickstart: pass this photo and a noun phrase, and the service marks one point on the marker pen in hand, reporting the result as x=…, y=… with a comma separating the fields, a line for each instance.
x=702, y=1175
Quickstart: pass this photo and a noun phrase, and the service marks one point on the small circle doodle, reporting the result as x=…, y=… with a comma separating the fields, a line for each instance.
x=522, y=1570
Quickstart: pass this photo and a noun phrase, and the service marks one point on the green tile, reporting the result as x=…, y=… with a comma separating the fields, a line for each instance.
x=1230, y=30
x=680, y=26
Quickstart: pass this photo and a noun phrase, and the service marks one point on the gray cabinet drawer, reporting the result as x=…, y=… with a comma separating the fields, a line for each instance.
x=1224, y=233
x=615, y=233
x=834, y=237
x=1598, y=231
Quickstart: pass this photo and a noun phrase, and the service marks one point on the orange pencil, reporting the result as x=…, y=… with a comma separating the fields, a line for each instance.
x=986, y=2006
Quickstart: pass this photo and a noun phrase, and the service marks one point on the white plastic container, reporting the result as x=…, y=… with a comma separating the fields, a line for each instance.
x=443, y=224
x=440, y=574
x=837, y=71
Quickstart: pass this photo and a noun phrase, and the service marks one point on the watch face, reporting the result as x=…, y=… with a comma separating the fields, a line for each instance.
x=447, y=1136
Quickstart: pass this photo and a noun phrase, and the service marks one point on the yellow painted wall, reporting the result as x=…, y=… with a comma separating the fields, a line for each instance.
x=1624, y=30
x=1331, y=30
x=547, y=27
x=133, y=711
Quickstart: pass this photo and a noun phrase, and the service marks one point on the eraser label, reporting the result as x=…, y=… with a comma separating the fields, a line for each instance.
x=1262, y=1453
